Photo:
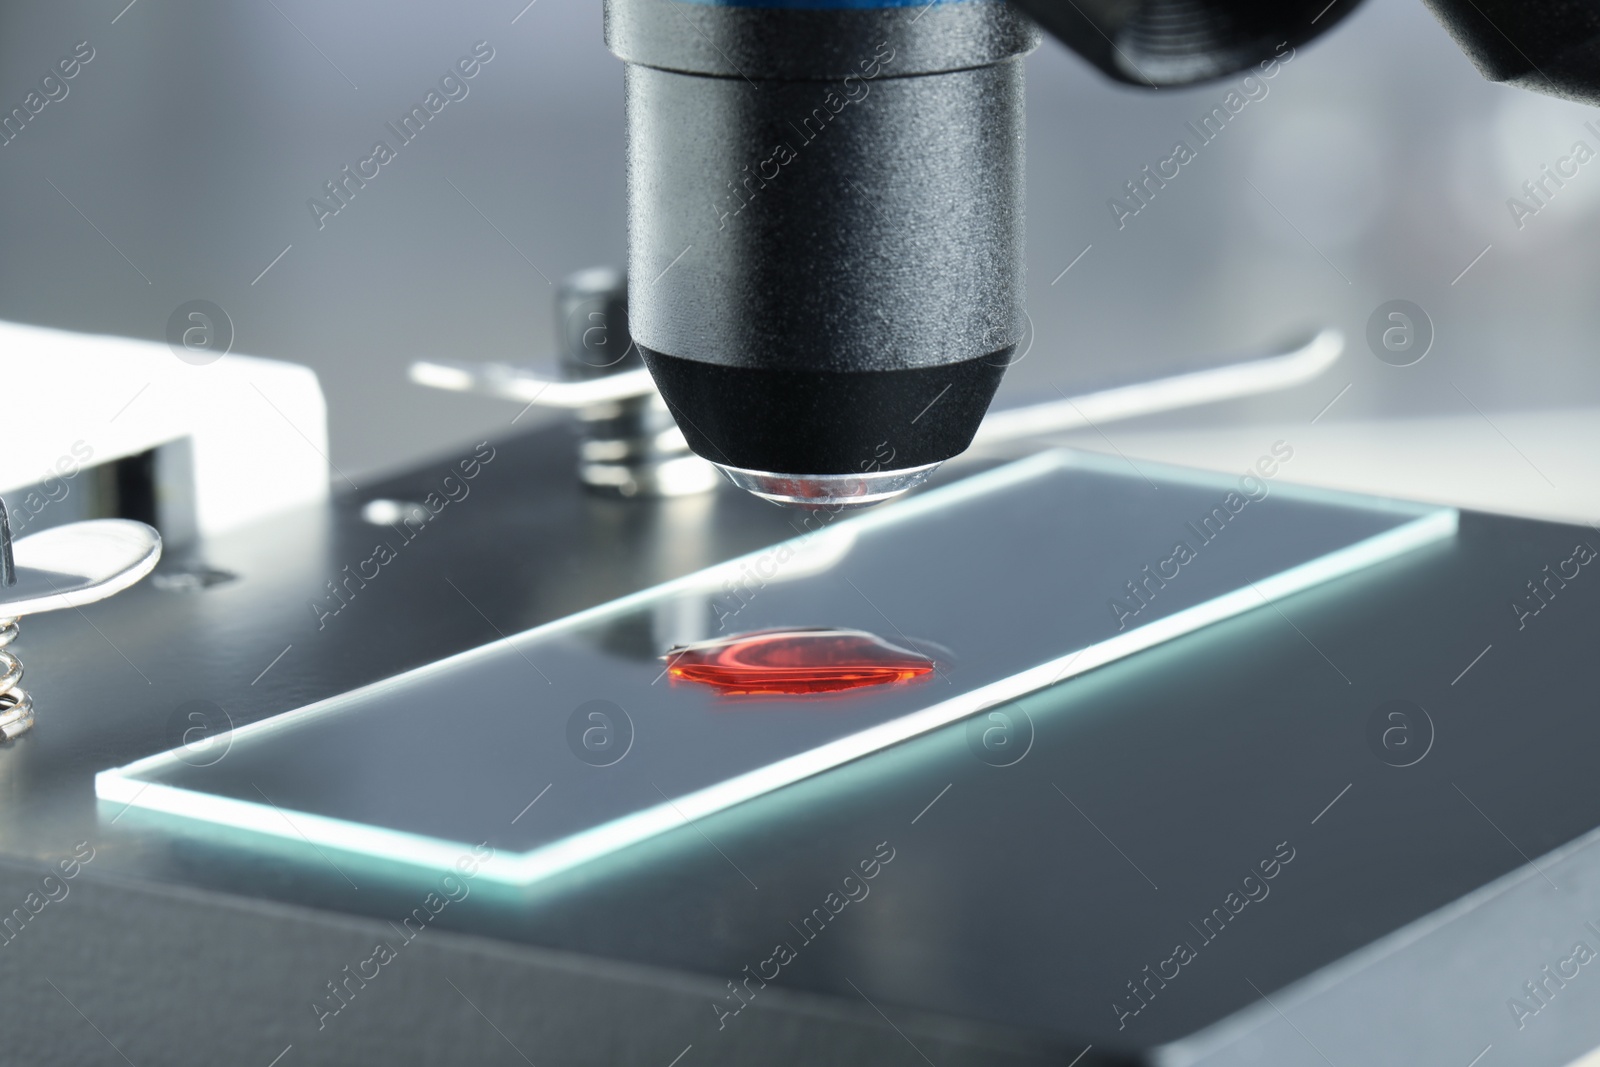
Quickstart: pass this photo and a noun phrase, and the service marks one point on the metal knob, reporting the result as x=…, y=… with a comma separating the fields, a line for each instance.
x=630, y=445
x=62, y=567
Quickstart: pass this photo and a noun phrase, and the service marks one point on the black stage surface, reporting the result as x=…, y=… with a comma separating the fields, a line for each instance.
x=1011, y=922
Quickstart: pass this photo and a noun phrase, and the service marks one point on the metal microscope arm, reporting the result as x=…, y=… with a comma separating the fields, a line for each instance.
x=1549, y=46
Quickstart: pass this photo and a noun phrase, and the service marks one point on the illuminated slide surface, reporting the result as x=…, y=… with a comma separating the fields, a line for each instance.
x=1008, y=582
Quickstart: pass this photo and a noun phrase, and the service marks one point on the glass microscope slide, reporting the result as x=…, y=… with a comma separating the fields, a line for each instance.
x=1009, y=581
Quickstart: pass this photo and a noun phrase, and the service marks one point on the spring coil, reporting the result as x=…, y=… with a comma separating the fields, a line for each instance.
x=16, y=706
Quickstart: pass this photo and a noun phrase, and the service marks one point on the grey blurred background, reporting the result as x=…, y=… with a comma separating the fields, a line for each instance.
x=1377, y=167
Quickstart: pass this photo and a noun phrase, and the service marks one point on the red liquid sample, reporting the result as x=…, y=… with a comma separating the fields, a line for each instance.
x=796, y=662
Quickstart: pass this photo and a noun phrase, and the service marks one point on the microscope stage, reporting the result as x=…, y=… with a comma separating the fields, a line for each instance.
x=1389, y=747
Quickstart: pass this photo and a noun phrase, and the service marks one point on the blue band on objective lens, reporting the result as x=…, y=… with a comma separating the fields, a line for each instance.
x=827, y=5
